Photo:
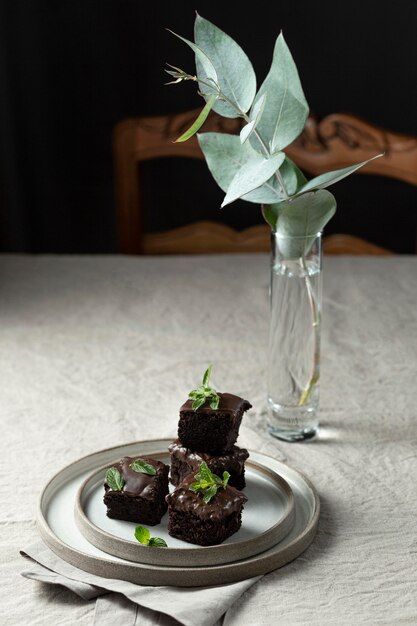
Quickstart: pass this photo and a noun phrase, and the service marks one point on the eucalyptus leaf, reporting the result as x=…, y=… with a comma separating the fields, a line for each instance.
x=286, y=109
x=207, y=69
x=251, y=175
x=293, y=177
x=199, y=121
x=236, y=77
x=254, y=117
x=306, y=215
x=246, y=131
x=225, y=156
x=325, y=180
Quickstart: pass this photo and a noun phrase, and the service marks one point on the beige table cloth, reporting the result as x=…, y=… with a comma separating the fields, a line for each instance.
x=97, y=351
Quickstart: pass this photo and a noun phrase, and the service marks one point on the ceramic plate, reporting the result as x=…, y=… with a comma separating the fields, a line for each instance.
x=266, y=491
x=56, y=523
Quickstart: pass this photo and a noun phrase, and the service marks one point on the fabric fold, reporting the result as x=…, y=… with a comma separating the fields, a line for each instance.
x=189, y=606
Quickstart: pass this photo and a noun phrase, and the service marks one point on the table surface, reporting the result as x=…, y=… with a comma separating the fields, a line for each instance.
x=97, y=351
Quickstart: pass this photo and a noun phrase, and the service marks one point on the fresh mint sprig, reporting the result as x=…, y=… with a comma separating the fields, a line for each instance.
x=204, y=393
x=143, y=535
x=141, y=467
x=114, y=479
x=208, y=483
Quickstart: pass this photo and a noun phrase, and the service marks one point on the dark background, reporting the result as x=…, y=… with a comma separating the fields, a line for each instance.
x=70, y=70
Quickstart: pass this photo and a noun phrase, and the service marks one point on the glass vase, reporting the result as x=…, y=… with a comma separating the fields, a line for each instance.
x=294, y=337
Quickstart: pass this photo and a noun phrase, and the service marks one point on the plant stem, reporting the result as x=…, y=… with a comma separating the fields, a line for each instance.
x=314, y=376
x=242, y=114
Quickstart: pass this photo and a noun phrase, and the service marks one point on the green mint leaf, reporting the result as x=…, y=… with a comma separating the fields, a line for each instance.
x=198, y=403
x=206, y=377
x=226, y=477
x=204, y=393
x=210, y=493
x=143, y=468
x=208, y=483
x=114, y=479
x=205, y=472
x=195, y=487
x=157, y=542
x=143, y=535
x=214, y=403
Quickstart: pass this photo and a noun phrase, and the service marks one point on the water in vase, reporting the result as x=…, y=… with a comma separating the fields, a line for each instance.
x=294, y=348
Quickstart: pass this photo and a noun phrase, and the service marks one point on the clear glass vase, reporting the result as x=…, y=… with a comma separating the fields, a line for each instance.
x=294, y=338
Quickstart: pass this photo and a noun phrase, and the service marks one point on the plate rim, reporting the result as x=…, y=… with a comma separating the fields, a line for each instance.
x=192, y=557
x=145, y=574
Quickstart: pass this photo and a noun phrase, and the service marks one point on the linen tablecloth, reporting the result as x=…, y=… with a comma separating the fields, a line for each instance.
x=98, y=351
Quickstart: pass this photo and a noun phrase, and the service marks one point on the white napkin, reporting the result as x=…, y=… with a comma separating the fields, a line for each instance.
x=136, y=604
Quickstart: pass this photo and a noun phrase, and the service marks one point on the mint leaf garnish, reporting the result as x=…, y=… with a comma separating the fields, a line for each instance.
x=114, y=479
x=157, y=542
x=143, y=535
x=143, y=468
x=204, y=393
x=208, y=483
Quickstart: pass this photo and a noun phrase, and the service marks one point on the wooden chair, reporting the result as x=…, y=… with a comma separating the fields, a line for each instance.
x=337, y=141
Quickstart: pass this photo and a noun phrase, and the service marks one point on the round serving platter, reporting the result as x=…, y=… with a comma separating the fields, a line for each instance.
x=266, y=490
x=57, y=526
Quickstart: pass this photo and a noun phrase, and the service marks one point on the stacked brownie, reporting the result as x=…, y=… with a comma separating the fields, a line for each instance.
x=136, y=488
x=207, y=435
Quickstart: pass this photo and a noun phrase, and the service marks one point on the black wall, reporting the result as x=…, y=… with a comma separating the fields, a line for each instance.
x=70, y=70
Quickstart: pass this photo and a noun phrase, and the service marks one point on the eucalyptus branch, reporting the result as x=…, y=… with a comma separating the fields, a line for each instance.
x=246, y=117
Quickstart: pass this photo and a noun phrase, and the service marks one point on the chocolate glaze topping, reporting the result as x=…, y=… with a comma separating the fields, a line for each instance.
x=137, y=483
x=228, y=404
x=234, y=459
x=225, y=502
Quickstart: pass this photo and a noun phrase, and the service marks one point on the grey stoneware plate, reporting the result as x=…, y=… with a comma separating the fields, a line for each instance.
x=57, y=527
x=268, y=517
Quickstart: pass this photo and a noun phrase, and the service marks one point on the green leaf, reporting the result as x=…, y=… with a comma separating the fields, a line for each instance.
x=226, y=477
x=301, y=218
x=293, y=177
x=225, y=156
x=206, y=377
x=252, y=175
x=236, y=77
x=157, y=542
x=199, y=121
x=143, y=468
x=114, y=479
x=204, y=473
x=208, y=483
x=210, y=493
x=195, y=487
x=207, y=67
x=325, y=180
x=142, y=534
x=198, y=403
x=255, y=116
x=214, y=403
x=286, y=109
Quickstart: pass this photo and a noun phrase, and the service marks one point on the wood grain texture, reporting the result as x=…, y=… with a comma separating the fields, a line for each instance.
x=336, y=141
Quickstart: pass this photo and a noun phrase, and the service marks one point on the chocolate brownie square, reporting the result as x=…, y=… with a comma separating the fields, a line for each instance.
x=185, y=462
x=141, y=497
x=192, y=520
x=212, y=430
